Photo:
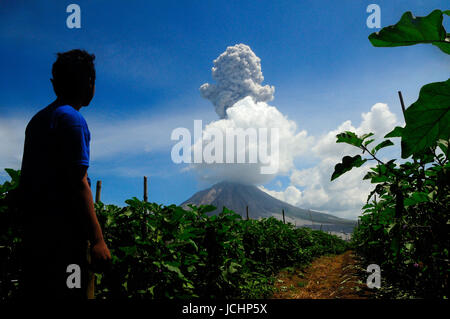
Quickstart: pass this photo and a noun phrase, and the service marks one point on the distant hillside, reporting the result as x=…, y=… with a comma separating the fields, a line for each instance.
x=236, y=197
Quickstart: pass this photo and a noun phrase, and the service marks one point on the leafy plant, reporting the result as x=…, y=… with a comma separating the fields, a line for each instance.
x=168, y=252
x=10, y=236
x=411, y=30
x=428, y=119
x=404, y=226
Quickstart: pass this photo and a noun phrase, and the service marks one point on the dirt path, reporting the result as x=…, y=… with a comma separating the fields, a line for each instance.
x=328, y=277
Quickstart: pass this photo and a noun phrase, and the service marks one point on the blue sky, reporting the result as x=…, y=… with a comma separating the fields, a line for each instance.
x=152, y=57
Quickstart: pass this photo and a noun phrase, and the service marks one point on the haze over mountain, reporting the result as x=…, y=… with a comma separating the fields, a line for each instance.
x=237, y=197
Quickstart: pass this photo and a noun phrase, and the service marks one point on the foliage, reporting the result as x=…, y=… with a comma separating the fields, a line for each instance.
x=167, y=252
x=10, y=236
x=405, y=224
x=412, y=30
x=427, y=120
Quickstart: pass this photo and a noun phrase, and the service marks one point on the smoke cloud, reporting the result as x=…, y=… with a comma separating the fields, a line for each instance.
x=238, y=74
x=248, y=114
x=241, y=102
x=311, y=187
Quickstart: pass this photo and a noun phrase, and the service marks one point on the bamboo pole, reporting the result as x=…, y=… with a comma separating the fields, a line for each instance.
x=145, y=189
x=401, y=102
x=284, y=221
x=246, y=208
x=90, y=289
x=98, y=191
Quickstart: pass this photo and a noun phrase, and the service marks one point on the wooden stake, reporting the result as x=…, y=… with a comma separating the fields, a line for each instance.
x=247, y=211
x=90, y=289
x=284, y=221
x=98, y=191
x=401, y=102
x=310, y=216
x=145, y=189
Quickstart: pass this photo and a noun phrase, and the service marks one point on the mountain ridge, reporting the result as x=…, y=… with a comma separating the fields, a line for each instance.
x=237, y=197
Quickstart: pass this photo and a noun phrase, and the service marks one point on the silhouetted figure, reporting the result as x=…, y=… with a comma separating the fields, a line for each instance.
x=59, y=216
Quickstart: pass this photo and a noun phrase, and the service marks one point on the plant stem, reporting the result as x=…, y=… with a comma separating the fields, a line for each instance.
x=373, y=155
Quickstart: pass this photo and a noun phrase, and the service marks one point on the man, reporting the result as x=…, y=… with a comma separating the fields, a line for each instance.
x=58, y=208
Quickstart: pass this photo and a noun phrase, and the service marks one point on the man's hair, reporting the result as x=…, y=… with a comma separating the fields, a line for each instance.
x=71, y=70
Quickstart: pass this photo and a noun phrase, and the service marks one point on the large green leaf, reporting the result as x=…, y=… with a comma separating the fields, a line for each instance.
x=383, y=144
x=349, y=138
x=174, y=269
x=443, y=145
x=396, y=132
x=348, y=162
x=207, y=208
x=14, y=174
x=428, y=119
x=415, y=198
x=412, y=30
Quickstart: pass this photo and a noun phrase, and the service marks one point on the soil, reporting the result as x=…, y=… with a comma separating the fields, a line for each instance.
x=327, y=277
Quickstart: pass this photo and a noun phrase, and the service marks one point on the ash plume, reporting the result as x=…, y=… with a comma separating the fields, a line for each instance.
x=237, y=73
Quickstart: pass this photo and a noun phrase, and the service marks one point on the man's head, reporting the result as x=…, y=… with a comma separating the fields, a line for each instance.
x=74, y=77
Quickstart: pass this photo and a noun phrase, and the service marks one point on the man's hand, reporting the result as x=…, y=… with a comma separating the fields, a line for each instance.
x=100, y=252
x=101, y=256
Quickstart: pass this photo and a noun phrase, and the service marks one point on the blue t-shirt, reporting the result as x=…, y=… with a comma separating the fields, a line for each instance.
x=56, y=140
x=70, y=125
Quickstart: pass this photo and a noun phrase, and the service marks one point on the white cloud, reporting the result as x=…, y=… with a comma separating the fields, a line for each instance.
x=110, y=138
x=245, y=114
x=380, y=120
x=12, y=136
x=237, y=73
x=344, y=197
x=133, y=135
x=310, y=187
x=241, y=102
x=291, y=194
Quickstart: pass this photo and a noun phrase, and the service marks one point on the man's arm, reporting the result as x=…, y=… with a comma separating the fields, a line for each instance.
x=82, y=191
x=74, y=141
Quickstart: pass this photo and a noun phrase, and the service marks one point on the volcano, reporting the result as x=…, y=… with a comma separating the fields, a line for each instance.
x=237, y=197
